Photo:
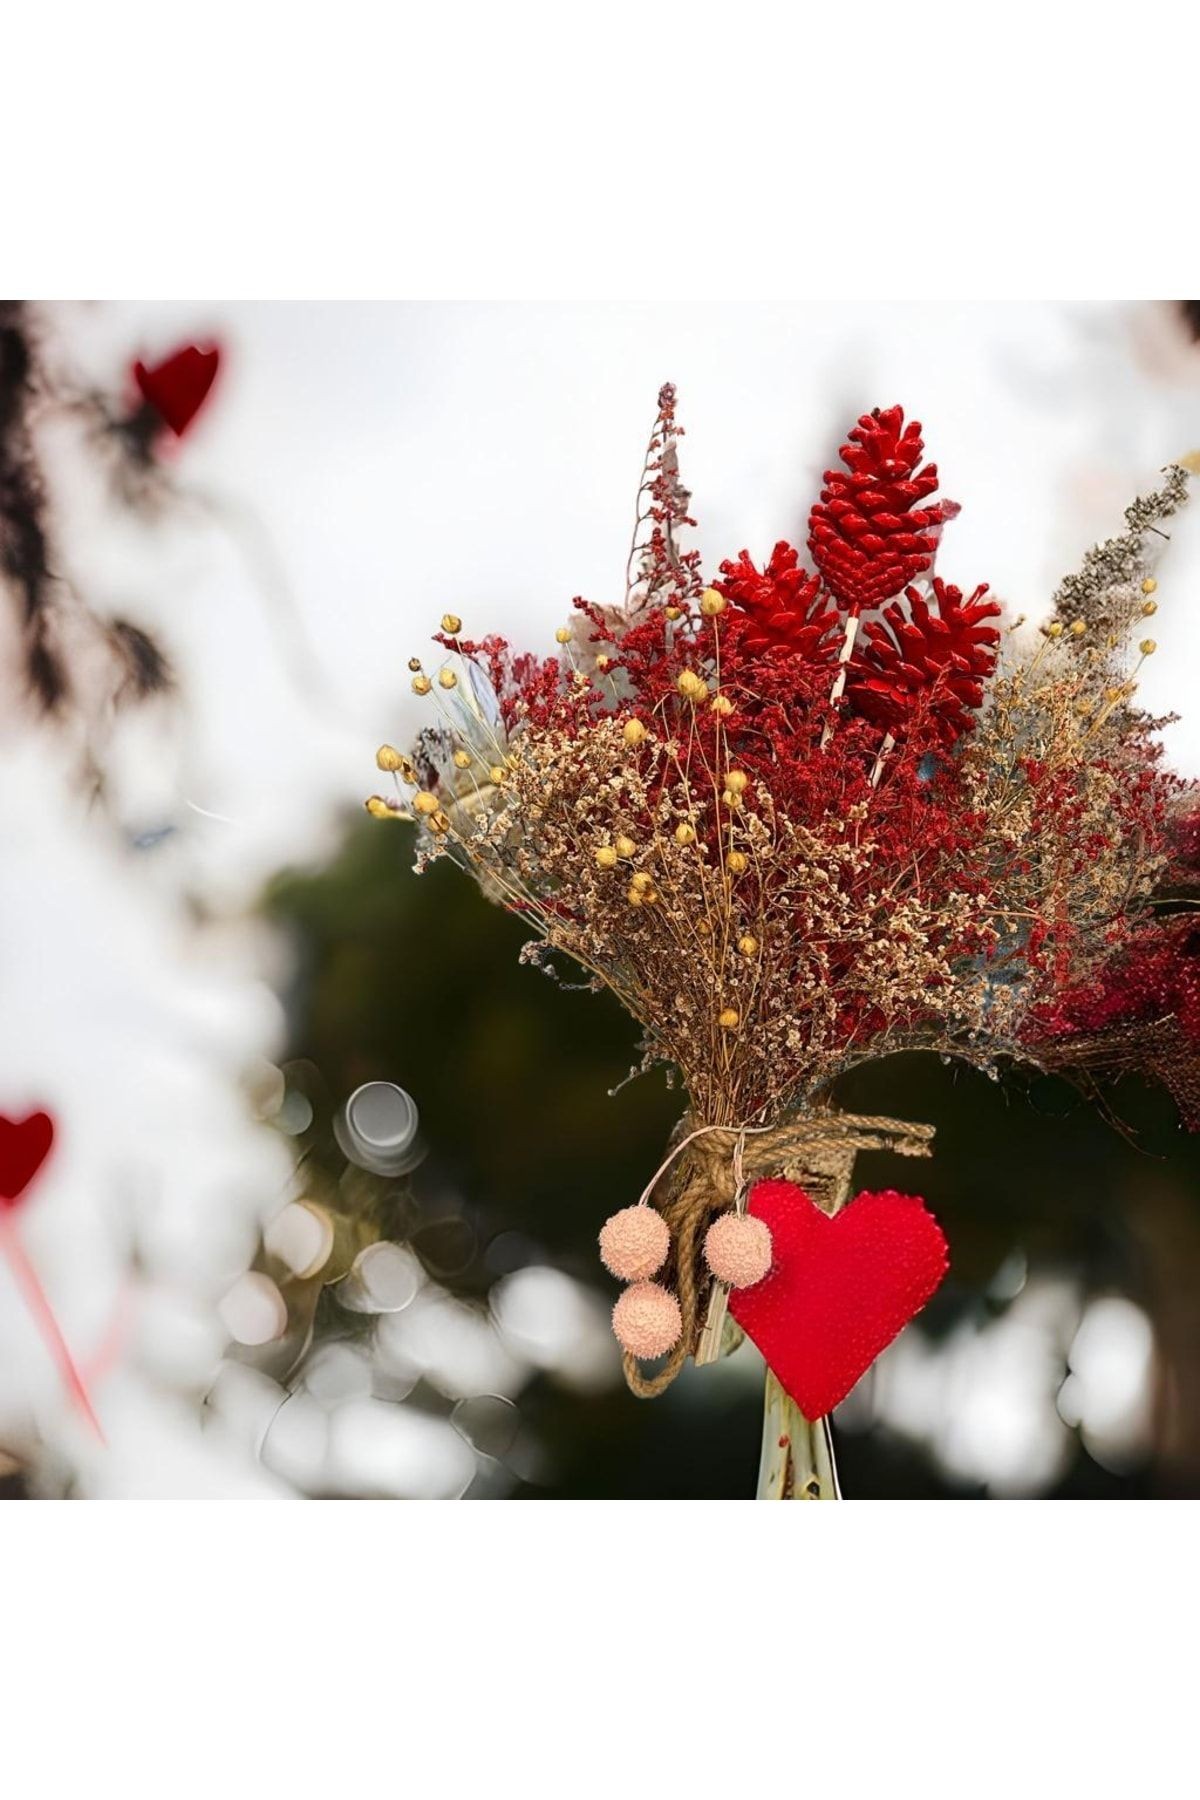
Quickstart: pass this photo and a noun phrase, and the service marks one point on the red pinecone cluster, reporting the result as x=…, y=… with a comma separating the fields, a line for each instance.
x=868, y=534
x=783, y=603
x=943, y=651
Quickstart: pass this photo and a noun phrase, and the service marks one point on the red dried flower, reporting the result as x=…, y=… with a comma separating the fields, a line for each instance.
x=940, y=650
x=868, y=534
x=783, y=604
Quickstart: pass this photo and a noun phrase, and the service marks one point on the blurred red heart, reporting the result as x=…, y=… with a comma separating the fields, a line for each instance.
x=178, y=387
x=841, y=1287
x=24, y=1147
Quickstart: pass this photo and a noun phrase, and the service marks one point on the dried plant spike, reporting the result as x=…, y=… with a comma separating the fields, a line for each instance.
x=1114, y=571
x=658, y=571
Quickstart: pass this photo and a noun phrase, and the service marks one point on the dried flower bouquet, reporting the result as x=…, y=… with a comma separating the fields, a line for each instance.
x=803, y=817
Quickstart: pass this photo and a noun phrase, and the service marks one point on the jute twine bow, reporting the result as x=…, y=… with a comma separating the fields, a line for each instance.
x=711, y=1163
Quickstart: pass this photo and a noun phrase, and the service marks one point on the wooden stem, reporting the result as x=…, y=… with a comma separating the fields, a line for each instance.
x=885, y=750
x=708, y=1349
x=839, y=685
x=797, y=1454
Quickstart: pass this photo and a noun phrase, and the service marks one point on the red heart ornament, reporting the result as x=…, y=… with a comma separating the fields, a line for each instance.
x=178, y=387
x=24, y=1147
x=841, y=1287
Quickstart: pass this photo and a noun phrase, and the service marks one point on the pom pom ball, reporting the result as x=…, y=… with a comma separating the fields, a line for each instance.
x=646, y=1320
x=634, y=1243
x=738, y=1249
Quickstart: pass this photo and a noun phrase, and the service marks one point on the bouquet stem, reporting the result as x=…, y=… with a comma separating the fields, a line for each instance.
x=797, y=1461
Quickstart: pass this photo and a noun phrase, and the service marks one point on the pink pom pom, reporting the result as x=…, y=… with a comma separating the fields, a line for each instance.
x=647, y=1320
x=634, y=1243
x=738, y=1249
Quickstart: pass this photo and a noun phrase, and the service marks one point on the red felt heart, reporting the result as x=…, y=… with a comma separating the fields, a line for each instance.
x=840, y=1288
x=178, y=387
x=24, y=1147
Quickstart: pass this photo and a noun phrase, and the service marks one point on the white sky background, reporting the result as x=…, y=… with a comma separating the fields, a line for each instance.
x=407, y=459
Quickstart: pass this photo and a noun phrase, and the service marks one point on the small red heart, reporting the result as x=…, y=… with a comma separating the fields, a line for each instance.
x=24, y=1147
x=841, y=1287
x=178, y=387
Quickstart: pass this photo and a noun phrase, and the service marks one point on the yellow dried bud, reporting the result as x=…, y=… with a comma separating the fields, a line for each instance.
x=737, y=862
x=462, y=759
x=711, y=603
x=722, y=705
x=650, y=896
x=414, y=663
x=379, y=808
x=1113, y=693
x=673, y=612
x=729, y=1018
x=451, y=624
x=634, y=732
x=625, y=846
x=732, y=801
x=641, y=881
x=562, y=635
x=1147, y=646
x=1149, y=609
x=606, y=857
x=438, y=822
x=388, y=760
x=425, y=802
x=634, y=896
x=748, y=945
x=737, y=781
x=1149, y=585
x=603, y=663
x=447, y=678
x=684, y=834
x=496, y=774
x=421, y=684
x=1054, y=629
x=691, y=686
x=1078, y=627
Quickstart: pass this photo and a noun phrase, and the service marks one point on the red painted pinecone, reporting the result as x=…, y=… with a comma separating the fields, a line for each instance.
x=868, y=535
x=784, y=604
x=944, y=651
